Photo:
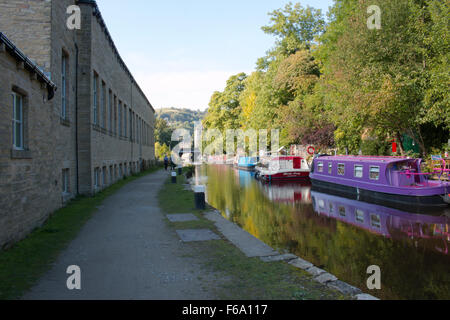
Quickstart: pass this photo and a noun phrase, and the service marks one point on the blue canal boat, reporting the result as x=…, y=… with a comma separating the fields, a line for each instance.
x=247, y=163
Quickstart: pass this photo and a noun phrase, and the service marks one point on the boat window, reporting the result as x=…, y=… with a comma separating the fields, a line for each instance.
x=331, y=208
x=359, y=215
x=330, y=167
x=342, y=211
x=374, y=173
x=375, y=220
x=358, y=171
x=320, y=167
x=341, y=169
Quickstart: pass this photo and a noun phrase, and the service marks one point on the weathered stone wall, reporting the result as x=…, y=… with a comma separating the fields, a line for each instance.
x=31, y=189
x=28, y=24
x=63, y=40
x=29, y=184
x=108, y=147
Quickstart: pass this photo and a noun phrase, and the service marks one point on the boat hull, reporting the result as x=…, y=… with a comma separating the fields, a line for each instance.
x=382, y=197
x=284, y=176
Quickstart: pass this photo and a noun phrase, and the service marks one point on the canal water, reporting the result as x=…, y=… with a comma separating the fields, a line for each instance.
x=338, y=234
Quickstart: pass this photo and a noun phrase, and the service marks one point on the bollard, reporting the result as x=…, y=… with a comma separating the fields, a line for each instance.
x=200, y=203
x=174, y=177
x=180, y=170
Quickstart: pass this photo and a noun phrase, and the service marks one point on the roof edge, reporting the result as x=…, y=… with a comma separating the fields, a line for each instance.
x=28, y=64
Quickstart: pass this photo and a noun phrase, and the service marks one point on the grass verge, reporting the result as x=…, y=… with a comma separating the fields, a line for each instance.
x=241, y=278
x=24, y=263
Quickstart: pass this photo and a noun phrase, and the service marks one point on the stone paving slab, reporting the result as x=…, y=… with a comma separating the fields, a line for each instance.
x=365, y=296
x=182, y=217
x=191, y=235
x=302, y=264
x=325, y=277
x=281, y=257
x=344, y=287
x=247, y=243
x=315, y=271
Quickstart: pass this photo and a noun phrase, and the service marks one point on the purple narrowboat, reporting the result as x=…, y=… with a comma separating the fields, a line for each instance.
x=388, y=179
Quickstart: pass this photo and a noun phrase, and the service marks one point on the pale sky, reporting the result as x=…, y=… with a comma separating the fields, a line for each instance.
x=181, y=51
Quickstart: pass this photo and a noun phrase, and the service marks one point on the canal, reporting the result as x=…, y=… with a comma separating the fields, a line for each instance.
x=341, y=235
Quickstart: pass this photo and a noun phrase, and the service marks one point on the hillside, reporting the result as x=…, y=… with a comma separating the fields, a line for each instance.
x=180, y=118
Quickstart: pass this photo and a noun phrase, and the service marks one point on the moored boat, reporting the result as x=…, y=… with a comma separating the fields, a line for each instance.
x=390, y=179
x=284, y=168
x=247, y=163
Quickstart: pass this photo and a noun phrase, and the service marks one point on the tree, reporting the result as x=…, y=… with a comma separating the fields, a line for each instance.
x=295, y=27
x=163, y=132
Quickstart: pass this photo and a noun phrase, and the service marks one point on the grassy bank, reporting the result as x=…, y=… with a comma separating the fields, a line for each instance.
x=240, y=277
x=23, y=264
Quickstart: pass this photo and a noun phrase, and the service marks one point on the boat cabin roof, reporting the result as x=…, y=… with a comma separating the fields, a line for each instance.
x=286, y=158
x=367, y=159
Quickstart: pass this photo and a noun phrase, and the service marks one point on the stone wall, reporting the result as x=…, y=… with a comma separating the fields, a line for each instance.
x=108, y=147
x=28, y=24
x=30, y=188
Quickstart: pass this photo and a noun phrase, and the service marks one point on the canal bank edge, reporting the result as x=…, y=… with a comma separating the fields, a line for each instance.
x=253, y=247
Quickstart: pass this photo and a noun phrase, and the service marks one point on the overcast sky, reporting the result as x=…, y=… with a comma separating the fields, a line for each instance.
x=181, y=51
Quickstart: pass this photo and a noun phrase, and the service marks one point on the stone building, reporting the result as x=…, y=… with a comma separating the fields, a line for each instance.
x=100, y=123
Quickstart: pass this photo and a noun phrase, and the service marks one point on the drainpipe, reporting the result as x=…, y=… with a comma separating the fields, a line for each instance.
x=76, y=121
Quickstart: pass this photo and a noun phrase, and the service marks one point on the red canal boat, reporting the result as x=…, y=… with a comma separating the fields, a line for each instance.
x=284, y=168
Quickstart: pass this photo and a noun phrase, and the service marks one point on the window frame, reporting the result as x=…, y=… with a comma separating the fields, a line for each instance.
x=18, y=122
x=95, y=96
x=338, y=167
x=66, y=181
x=320, y=166
x=370, y=173
x=362, y=171
x=64, y=91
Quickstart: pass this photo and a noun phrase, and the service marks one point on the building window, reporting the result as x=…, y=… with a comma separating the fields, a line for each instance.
x=18, y=122
x=131, y=125
x=120, y=118
x=64, y=85
x=103, y=105
x=104, y=176
x=110, y=110
x=95, y=93
x=374, y=173
x=66, y=181
x=341, y=169
x=125, y=120
x=96, y=177
x=111, y=174
x=115, y=115
x=358, y=171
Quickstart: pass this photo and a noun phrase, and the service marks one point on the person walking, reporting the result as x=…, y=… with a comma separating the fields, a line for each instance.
x=166, y=162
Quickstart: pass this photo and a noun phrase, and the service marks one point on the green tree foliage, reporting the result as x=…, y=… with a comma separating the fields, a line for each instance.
x=161, y=150
x=163, y=132
x=344, y=84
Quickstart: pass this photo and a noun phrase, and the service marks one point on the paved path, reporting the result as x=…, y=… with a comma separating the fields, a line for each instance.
x=126, y=251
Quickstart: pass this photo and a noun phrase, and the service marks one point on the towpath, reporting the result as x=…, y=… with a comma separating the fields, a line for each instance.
x=126, y=251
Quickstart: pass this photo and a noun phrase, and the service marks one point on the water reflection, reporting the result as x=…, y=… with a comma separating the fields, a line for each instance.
x=427, y=230
x=341, y=235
